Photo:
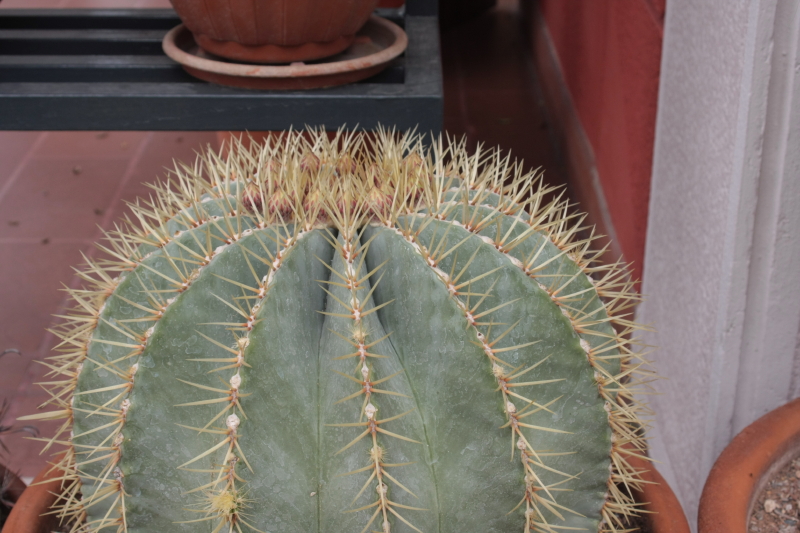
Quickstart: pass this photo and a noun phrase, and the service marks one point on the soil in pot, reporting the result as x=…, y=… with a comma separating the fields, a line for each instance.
x=776, y=509
x=746, y=468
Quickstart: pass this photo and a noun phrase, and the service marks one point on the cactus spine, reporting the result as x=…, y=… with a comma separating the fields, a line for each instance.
x=356, y=334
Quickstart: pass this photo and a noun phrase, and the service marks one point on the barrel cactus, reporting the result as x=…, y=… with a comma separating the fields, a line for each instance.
x=349, y=333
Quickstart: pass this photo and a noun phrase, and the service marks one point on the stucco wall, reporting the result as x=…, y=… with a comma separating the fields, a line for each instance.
x=689, y=256
x=721, y=280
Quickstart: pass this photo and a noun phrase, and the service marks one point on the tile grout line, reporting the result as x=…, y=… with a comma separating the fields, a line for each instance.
x=17, y=172
x=47, y=339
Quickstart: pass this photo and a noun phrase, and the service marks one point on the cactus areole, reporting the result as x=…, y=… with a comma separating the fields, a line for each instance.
x=348, y=335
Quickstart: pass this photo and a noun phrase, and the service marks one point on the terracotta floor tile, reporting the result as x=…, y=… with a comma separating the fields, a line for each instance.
x=36, y=273
x=95, y=145
x=163, y=148
x=57, y=199
x=166, y=147
x=13, y=365
x=14, y=147
x=32, y=275
x=31, y=394
x=25, y=456
x=31, y=4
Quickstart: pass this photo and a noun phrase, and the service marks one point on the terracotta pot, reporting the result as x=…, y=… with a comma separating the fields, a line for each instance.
x=664, y=511
x=35, y=500
x=274, y=31
x=745, y=466
x=665, y=514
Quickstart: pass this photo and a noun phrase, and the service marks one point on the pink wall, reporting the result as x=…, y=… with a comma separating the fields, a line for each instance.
x=610, y=52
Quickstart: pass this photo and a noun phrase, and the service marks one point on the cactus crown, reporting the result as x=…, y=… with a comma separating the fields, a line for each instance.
x=349, y=334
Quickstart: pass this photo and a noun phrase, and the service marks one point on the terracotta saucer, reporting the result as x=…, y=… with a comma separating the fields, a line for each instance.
x=375, y=45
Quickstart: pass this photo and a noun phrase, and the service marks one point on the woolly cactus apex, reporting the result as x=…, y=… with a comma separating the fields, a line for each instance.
x=356, y=334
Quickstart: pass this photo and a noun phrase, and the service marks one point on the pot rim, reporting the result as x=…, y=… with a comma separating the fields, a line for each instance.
x=740, y=472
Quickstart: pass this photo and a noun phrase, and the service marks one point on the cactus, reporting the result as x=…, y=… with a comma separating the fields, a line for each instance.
x=358, y=333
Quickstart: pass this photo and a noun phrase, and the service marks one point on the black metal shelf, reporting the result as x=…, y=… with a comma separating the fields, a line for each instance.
x=105, y=70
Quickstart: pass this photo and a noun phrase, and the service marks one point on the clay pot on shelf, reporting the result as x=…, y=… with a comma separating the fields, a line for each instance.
x=664, y=512
x=762, y=449
x=274, y=31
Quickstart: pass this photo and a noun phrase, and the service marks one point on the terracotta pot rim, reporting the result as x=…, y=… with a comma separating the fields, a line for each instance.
x=740, y=472
x=283, y=71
